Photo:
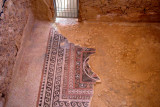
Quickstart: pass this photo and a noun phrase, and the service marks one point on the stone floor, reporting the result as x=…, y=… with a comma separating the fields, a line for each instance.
x=127, y=60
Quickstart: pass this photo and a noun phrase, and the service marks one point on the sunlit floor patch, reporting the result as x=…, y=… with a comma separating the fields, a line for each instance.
x=66, y=21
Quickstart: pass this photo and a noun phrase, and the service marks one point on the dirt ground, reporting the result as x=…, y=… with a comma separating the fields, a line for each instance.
x=127, y=60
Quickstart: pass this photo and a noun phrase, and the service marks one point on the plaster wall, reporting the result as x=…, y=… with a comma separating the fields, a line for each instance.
x=120, y=10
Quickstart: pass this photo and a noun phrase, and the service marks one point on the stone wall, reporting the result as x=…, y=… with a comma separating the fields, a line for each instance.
x=43, y=9
x=1, y=4
x=120, y=10
x=12, y=23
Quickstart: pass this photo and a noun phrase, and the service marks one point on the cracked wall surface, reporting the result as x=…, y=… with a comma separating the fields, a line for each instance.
x=120, y=10
x=12, y=23
x=1, y=6
x=42, y=9
x=13, y=18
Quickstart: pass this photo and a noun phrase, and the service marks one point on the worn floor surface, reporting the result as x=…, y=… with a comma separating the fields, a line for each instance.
x=127, y=60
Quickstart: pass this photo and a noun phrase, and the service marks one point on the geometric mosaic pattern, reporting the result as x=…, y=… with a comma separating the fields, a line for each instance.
x=67, y=80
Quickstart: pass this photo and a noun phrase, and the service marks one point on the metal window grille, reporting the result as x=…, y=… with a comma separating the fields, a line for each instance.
x=66, y=8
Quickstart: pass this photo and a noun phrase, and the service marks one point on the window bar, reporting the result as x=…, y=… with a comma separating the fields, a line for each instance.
x=77, y=8
x=64, y=6
x=74, y=13
x=67, y=7
x=61, y=8
x=64, y=10
x=57, y=6
x=70, y=8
